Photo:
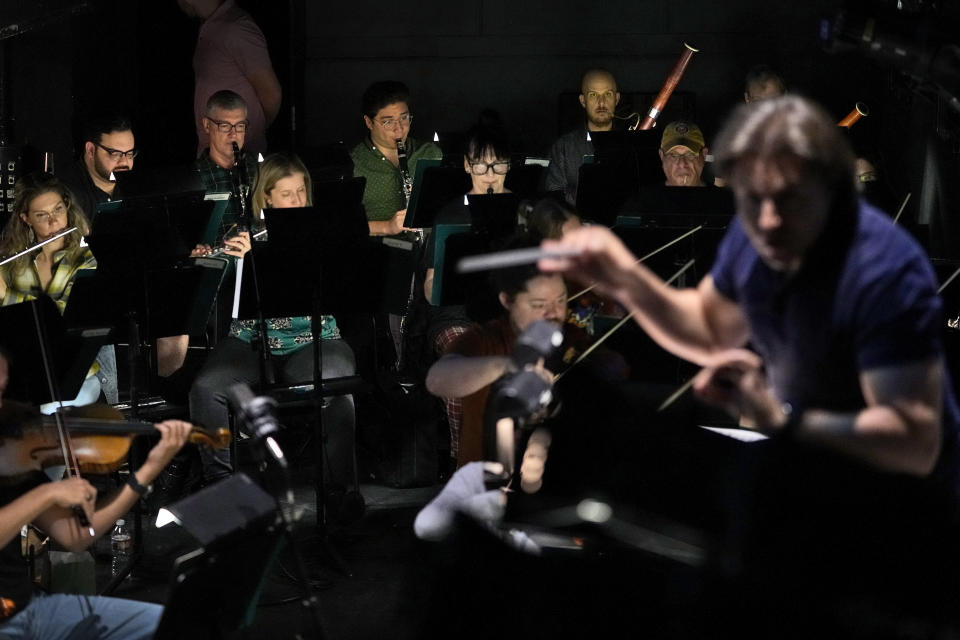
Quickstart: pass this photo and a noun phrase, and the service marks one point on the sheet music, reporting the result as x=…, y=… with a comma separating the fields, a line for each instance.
x=236, y=288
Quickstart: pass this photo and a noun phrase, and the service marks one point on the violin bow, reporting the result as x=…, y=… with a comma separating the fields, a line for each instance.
x=69, y=456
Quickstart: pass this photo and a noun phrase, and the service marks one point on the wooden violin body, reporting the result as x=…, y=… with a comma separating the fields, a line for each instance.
x=99, y=437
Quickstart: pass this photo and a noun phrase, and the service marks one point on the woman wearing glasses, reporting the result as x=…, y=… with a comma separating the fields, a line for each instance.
x=486, y=160
x=283, y=182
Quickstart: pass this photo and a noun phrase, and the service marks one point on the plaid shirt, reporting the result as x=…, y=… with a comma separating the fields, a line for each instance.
x=217, y=179
x=25, y=285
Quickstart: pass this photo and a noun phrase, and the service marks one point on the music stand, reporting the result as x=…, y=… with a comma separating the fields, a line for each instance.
x=163, y=182
x=215, y=589
x=433, y=187
x=493, y=219
x=73, y=350
x=335, y=261
x=132, y=287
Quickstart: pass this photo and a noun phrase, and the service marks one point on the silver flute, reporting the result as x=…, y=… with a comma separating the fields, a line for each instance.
x=221, y=249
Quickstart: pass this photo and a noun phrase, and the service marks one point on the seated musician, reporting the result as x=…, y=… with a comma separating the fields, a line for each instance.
x=599, y=97
x=48, y=506
x=283, y=182
x=43, y=207
x=486, y=160
x=225, y=123
x=761, y=83
x=482, y=354
x=683, y=153
x=386, y=114
x=841, y=308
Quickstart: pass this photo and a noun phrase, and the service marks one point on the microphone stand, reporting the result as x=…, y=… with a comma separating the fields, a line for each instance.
x=242, y=185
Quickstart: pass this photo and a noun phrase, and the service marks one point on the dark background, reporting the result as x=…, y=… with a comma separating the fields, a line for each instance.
x=522, y=59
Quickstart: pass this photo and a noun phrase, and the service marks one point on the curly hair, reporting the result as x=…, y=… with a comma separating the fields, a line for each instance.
x=17, y=235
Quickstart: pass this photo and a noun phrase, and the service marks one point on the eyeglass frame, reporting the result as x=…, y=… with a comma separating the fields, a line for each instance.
x=489, y=166
x=116, y=154
x=60, y=210
x=677, y=157
x=405, y=119
x=230, y=126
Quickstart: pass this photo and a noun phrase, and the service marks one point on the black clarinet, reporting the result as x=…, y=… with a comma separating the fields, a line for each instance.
x=406, y=188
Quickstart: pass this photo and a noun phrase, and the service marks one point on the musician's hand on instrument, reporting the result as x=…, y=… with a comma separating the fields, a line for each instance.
x=396, y=223
x=595, y=256
x=201, y=250
x=735, y=380
x=173, y=435
x=238, y=245
x=73, y=491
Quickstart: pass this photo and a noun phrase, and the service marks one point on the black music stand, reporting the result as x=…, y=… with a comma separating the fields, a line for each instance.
x=73, y=350
x=337, y=270
x=622, y=162
x=142, y=251
x=493, y=219
x=434, y=186
x=214, y=590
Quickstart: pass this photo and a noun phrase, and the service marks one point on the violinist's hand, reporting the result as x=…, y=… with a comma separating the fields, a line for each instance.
x=201, y=250
x=173, y=435
x=238, y=245
x=734, y=379
x=597, y=257
x=70, y=492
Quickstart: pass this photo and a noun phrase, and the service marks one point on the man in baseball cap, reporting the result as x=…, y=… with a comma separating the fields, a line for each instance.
x=683, y=153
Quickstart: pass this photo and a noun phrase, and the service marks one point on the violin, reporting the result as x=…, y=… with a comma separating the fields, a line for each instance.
x=99, y=437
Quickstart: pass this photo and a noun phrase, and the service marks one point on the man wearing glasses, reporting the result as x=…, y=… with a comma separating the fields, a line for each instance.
x=225, y=122
x=232, y=53
x=386, y=113
x=599, y=97
x=683, y=153
x=108, y=148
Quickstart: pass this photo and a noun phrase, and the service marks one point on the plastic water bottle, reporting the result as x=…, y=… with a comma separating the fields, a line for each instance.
x=121, y=544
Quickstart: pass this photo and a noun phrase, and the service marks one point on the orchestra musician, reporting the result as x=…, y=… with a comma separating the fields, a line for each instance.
x=486, y=159
x=109, y=147
x=386, y=114
x=389, y=174
x=44, y=207
x=683, y=153
x=482, y=354
x=232, y=53
x=283, y=182
x=599, y=97
x=35, y=500
x=762, y=82
x=226, y=124
x=846, y=364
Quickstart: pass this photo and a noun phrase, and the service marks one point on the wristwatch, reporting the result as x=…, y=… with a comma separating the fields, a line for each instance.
x=142, y=491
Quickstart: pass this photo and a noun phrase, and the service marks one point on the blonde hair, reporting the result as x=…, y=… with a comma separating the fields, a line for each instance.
x=275, y=167
x=17, y=235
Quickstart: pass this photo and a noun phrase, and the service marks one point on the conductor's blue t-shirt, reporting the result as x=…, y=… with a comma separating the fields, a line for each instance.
x=864, y=299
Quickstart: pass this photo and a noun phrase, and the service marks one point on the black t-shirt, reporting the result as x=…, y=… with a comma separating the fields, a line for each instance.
x=15, y=582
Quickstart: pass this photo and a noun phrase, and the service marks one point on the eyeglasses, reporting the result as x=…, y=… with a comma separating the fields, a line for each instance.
x=116, y=154
x=679, y=157
x=227, y=127
x=500, y=167
x=45, y=217
x=388, y=123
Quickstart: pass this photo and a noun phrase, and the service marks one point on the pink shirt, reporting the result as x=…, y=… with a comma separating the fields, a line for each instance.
x=229, y=48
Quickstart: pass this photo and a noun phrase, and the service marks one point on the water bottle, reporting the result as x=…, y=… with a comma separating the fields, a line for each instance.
x=121, y=544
